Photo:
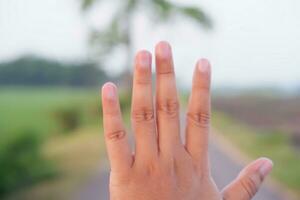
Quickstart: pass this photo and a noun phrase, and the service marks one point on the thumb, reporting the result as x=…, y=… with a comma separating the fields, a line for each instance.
x=248, y=182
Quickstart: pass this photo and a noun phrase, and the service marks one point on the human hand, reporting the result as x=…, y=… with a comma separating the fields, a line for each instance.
x=163, y=167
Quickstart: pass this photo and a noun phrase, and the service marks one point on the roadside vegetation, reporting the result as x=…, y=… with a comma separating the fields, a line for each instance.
x=76, y=157
x=263, y=126
x=51, y=139
x=29, y=118
x=36, y=71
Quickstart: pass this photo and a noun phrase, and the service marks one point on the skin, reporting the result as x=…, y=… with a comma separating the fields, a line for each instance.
x=163, y=166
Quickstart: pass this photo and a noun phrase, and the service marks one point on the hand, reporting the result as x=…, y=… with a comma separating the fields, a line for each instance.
x=163, y=167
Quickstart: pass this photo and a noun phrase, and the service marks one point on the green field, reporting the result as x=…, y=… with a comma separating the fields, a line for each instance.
x=32, y=117
x=35, y=108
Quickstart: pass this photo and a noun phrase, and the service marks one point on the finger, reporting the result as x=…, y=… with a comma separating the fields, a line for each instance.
x=167, y=105
x=142, y=113
x=198, y=114
x=115, y=136
x=246, y=185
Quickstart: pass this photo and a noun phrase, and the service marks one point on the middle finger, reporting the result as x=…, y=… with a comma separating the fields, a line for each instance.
x=167, y=105
x=142, y=109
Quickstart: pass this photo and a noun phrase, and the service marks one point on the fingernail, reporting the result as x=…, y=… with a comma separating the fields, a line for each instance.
x=164, y=50
x=144, y=60
x=266, y=167
x=203, y=65
x=109, y=91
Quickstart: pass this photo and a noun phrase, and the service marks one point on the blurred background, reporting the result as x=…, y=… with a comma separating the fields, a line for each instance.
x=55, y=55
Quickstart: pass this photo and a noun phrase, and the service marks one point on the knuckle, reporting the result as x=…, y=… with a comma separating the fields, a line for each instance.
x=169, y=107
x=143, y=115
x=249, y=185
x=204, y=87
x=115, y=135
x=118, y=179
x=111, y=113
x=166, y=70
x=200, y=119
x=143, y=80
x=152, y=168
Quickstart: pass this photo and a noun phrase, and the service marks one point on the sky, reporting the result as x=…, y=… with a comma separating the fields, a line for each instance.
x=253, y=43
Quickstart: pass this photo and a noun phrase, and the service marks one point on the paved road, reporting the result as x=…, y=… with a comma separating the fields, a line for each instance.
x=97, y=189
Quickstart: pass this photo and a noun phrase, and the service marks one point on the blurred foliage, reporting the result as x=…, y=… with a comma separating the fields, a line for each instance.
x=125, y=101
x=21, y=159
x=31, y=70
x=267, y=121
x=86, y=4
x=21, y=162
x=69, y=118
x=118, y=32
x=34, y=107
x=264, y=112
x=263, y=143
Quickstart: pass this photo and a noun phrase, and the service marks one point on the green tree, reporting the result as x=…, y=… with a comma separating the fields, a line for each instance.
x=119, y=29
x=32, y=70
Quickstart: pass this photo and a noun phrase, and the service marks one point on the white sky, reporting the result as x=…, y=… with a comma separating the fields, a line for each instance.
x=253, y=43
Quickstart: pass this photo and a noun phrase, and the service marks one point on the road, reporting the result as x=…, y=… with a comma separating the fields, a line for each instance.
x=224, y=169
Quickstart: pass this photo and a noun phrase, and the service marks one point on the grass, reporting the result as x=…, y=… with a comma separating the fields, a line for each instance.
x=77, y=156
x=29, y=117
x=33, y=107
x=274, y=145
x=75, y=153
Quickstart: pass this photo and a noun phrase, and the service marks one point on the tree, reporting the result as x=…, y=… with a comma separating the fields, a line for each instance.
x=32, y=71
x=118, y=32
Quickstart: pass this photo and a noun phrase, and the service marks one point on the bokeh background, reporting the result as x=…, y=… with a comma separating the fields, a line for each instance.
x=55, y=55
